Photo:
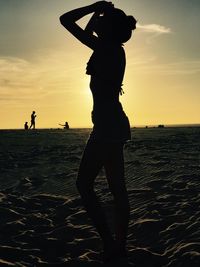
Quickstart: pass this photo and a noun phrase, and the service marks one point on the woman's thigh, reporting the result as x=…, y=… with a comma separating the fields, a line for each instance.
x=114, y=167
x=95, y=156
x=91, y=163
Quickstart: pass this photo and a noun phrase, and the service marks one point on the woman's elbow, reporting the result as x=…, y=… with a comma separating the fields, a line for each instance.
x=66, y=21
x=62, y=20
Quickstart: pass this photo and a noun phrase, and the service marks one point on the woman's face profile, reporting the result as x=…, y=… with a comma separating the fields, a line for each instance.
x=102, y=27
x=99, y=25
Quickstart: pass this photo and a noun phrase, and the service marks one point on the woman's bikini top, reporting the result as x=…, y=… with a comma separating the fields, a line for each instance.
x=106, y=67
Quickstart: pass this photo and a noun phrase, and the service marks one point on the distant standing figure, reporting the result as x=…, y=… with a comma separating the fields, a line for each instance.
x=104, y=149
x=33, y=116
x=66, y=125
x=26, y=126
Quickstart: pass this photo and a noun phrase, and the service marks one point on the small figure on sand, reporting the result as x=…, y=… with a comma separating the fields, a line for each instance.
x=33, y=116
x=66, y=125
x=26, y=125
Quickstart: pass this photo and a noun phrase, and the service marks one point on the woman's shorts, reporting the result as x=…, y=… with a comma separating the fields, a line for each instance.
x=110, y=126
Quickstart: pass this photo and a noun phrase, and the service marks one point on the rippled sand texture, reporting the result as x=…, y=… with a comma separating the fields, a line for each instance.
x=42, y=220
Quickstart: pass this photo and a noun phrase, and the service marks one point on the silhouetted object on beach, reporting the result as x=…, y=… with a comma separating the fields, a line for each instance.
x=66, y=125
x=161, y=126
x=111, y=127
x=26, y=125
x=33, y=116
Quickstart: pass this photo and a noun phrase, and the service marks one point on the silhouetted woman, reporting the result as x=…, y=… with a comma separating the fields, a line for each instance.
x=111, y=126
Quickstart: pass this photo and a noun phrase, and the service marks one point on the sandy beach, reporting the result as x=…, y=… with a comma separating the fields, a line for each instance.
x=43, y=222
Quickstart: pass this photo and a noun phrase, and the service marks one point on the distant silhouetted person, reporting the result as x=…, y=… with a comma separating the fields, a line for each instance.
x=66, y=125
x=26, y=125
x=33, y=116
x=161, y=126
x=111, y=125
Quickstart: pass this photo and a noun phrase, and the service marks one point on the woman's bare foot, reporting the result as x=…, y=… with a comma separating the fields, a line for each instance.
x=113, y=253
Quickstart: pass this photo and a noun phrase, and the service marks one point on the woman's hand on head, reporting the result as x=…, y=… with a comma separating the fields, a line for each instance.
x=102, y=6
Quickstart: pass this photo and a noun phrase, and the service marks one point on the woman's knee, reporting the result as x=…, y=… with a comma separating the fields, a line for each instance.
x=83, y=186
x=120, y=195
x=79, y=185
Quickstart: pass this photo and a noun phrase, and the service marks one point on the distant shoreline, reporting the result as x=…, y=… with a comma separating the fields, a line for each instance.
x=133, y=127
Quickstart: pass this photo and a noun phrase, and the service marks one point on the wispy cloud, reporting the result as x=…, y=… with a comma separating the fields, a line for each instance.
x=154, y=28
x=22, y=80
x=151, y=66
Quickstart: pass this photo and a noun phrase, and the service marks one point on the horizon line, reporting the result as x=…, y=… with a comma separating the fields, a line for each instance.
x=132, y=126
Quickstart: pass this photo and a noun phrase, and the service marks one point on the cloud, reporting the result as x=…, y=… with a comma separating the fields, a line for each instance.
x=154, y=28
x=45, y=78
x=24, y=78
x=19, y=80
x=150, y=66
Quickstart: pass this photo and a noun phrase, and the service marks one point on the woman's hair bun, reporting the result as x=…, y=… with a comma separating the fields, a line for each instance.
x=122, y=25
x=131, y=21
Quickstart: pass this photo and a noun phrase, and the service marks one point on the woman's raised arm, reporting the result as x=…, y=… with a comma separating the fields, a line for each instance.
x=68, y=20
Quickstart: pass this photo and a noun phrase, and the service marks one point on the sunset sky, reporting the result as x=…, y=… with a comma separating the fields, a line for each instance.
x=42, y=66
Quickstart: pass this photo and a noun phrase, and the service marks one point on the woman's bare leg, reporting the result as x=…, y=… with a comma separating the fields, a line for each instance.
x=90, y=166
x=114, y=167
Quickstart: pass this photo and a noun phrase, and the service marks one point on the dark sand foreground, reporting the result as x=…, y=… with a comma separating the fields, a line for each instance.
x=42, y=220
